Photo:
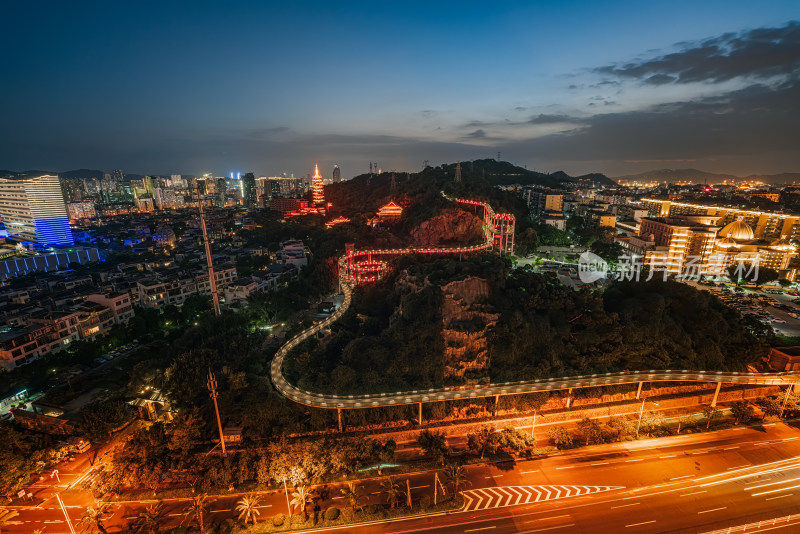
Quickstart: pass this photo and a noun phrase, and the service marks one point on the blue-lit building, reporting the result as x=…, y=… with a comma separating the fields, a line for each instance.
x=33, y=210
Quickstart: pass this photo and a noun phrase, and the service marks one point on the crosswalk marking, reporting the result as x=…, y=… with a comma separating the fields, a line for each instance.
x=503, y=496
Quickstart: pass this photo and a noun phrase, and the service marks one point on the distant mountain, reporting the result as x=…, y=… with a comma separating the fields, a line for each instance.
x=25, y=173
x=82, y=173
x=597, y=178
x=782, y=178
x=698, y=176
x=505, y=173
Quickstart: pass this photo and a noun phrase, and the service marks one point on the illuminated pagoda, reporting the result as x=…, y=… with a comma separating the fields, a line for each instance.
x=317, y=193
x=337, y=220
x=390, y=212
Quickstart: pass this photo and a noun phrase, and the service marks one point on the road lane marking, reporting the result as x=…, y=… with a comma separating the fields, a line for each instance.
x=669, y=456
x=601, y=463
x=779, y=497
x=548, y=528
x=566, y=467
x=684, y=476
x=625, y=505
x=695, y=493
x=774, y=491
x=729, y=448
x=546, y=518
x=713, y=510
x=482, y=528
x=636, y=460
x=528, y=472
x=739, y=467
x=771, y=484
x=640, y=524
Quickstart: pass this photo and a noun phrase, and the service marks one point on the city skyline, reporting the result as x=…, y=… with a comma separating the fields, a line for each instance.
x=580, y=88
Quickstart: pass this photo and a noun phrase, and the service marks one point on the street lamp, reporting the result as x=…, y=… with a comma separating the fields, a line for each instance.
x=641, y=411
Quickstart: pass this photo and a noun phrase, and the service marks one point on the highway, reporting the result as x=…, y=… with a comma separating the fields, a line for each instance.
x=691, y=483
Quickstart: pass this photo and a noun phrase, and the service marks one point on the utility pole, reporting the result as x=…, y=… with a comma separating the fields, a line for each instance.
x=638, y=423
x=286, y=491
x=786, y=398
x=209, y=261
x=212, y=388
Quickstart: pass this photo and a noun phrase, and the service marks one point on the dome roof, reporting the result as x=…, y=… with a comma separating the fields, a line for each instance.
x=725, y=242
x=781, y=244
x=738, y=231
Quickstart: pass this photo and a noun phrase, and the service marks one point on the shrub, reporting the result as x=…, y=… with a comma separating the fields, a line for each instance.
x=332, y=514
x=372, y=509
x=278, y=520
x=425, y=502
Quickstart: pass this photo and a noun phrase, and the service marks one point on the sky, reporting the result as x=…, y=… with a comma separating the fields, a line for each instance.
x=581, y=86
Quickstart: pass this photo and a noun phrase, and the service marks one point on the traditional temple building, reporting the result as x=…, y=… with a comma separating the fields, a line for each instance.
x=390, y=212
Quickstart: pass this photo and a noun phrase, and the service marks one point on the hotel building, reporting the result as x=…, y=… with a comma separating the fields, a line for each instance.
x=33, y=210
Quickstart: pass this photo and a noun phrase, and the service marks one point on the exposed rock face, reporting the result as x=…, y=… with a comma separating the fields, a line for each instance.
x=451, y=226
x=467, y=320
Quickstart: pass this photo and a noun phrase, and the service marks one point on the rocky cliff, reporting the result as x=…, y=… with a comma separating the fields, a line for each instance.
x=451, y=226
x=467, y=320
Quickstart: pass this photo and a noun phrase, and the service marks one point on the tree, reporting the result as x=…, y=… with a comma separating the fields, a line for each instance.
x=622, y=426
x=434, y=444
x=560, y=437
x=591, y=430
x=247, y=507
x=150, y=520
x=710, y=412
x=391, y=488
x=196, y=510
x=526, y=242
x=651, y=421
x=94, y=517
x=742, y=411
x=301, y=498
x=6, y=516
x=385, y=453
x=99, y=418
x=456, y=476
x=483, y=440
x=353, y=494
x=770, y=406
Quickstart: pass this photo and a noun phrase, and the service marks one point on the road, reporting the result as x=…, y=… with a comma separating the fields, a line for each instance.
x=691, y=483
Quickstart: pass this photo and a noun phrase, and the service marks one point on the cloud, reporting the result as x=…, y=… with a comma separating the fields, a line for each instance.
x=754, y=123
x=428, y=113
x=761, y=53
x=550, y=119
x=477, y=134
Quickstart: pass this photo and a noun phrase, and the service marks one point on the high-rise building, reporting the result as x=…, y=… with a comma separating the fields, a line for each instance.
x=33, y=210
x=337, y=174
x=249, y=196
x=317, y=188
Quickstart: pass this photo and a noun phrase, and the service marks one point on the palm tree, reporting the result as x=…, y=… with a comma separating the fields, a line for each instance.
x=456, y=476
x=301, y=498
x=6, y=516
x=391, y=488
x=149, y=521
x=352, y=494
x=196, y=510
x=94, y=517
x=247, y=507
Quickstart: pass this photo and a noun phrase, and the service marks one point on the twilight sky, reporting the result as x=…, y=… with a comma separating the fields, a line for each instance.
x=580, y=86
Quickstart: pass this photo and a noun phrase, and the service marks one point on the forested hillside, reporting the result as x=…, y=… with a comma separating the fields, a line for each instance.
x=391, y=339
